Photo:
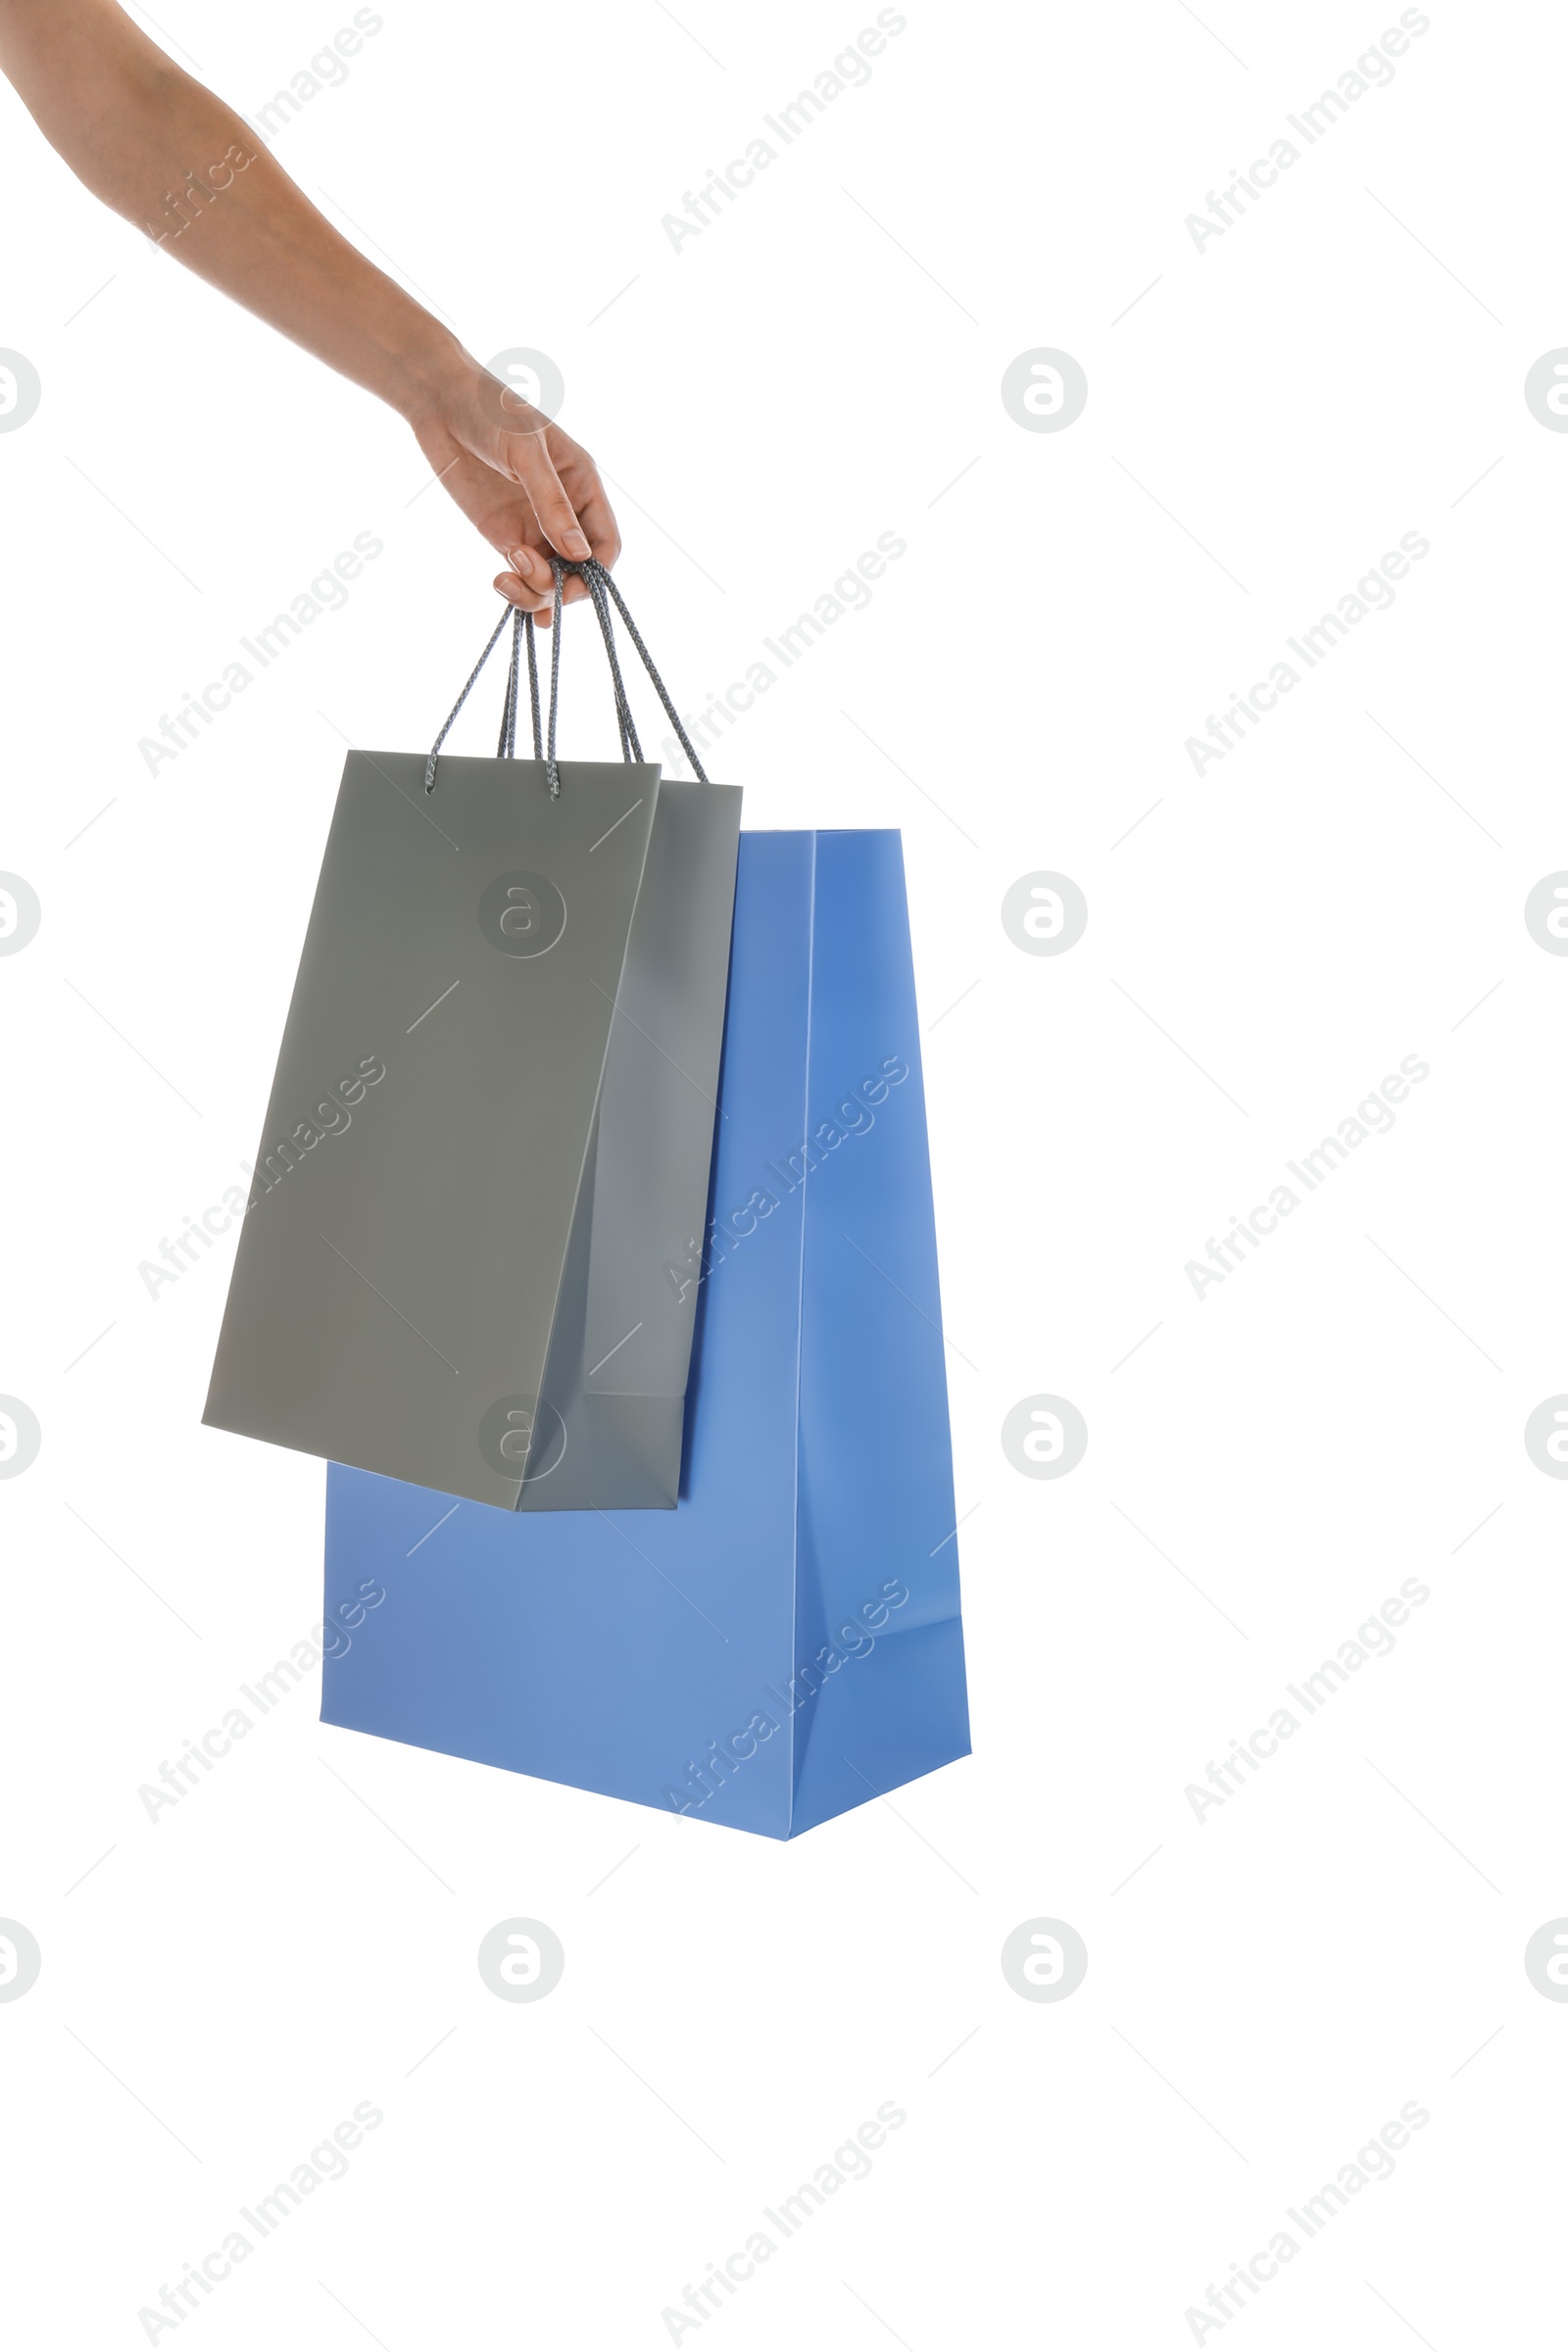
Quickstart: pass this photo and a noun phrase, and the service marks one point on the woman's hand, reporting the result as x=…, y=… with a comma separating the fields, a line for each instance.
x=130, y=122
x=519, y=480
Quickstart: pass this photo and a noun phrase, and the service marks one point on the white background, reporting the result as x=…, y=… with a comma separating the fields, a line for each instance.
x=822, y=364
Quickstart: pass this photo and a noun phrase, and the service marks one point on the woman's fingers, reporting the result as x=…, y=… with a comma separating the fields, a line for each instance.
x=521, y=586
x=534, y=576
x=593, y=508
x=554, y=511
x=516, y=592
x=530, y=489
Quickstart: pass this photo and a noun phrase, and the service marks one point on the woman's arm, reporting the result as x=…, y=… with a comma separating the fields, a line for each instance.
x=162, y=151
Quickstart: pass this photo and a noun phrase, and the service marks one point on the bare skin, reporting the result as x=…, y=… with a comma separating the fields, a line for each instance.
x=159, y=149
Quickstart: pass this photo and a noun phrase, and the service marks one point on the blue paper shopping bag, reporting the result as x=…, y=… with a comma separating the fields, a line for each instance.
x=786, y=1644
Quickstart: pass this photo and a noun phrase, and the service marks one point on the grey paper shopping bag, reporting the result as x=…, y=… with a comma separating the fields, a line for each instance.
x=491, y=1126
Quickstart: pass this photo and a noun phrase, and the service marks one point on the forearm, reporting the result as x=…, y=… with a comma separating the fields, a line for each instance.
x=159, y=149
x=162, y=151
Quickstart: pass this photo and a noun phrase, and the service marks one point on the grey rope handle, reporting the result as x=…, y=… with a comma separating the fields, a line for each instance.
x=601, y=589
x=506, y=749
x=429, y=765
x=630, y=746
x=594, y=574
x=554, y=687
x=533, y=689
x=606, y=581
x=509, y=708
x=523, y=628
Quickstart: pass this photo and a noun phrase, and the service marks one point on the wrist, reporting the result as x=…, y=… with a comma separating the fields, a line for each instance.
x=426, y=372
